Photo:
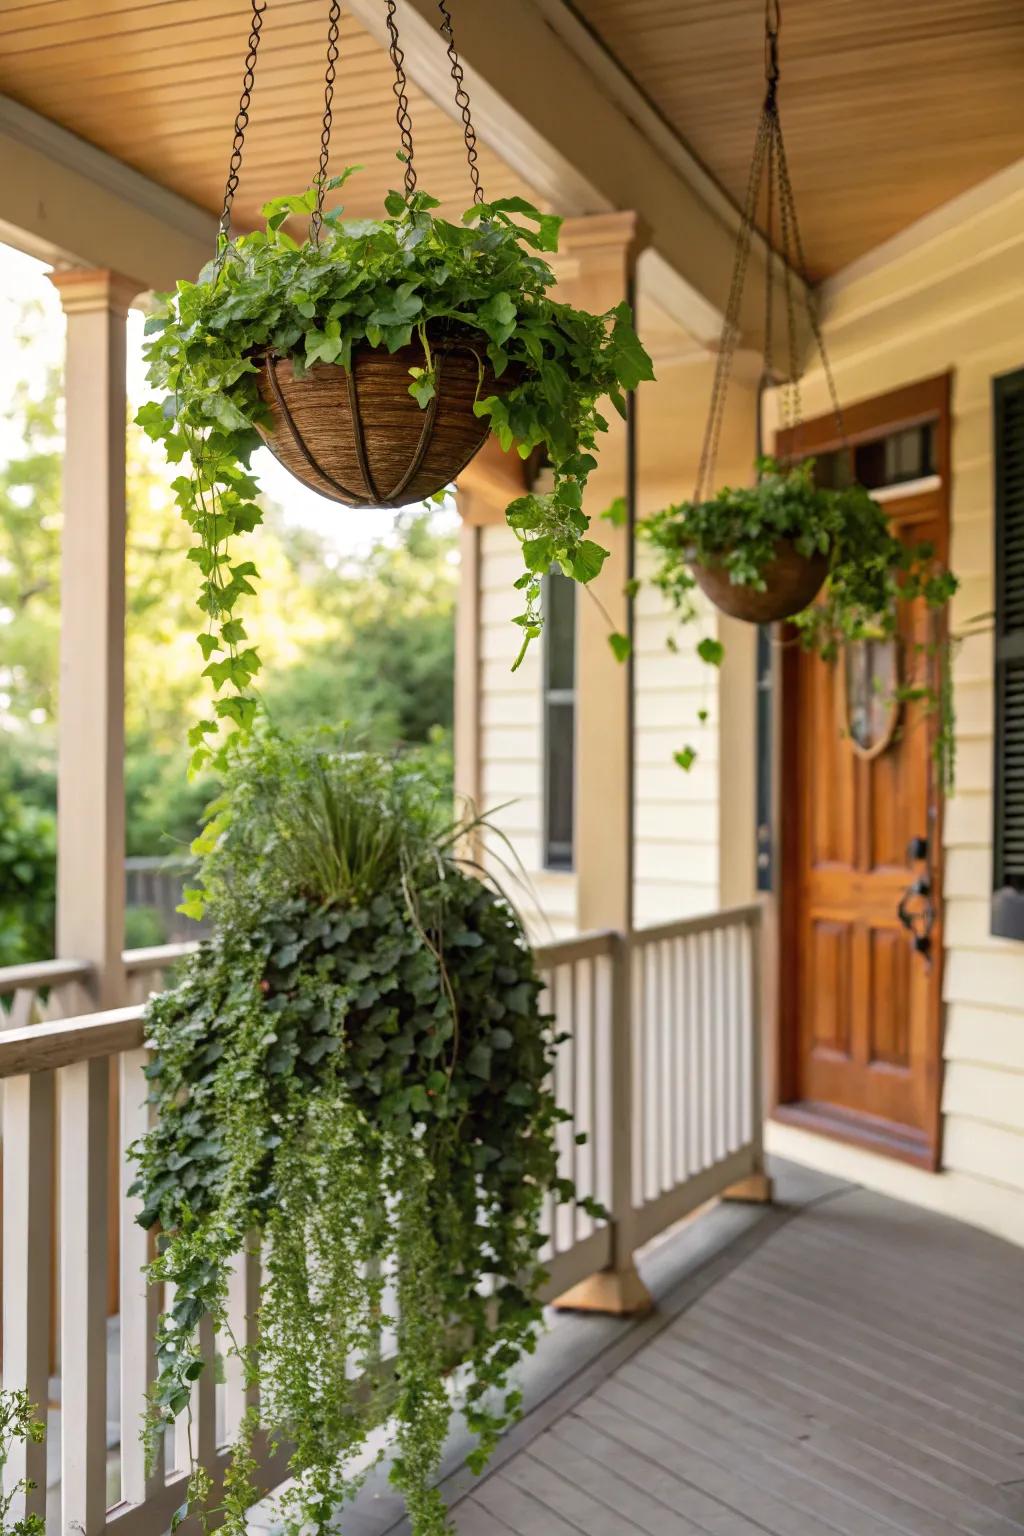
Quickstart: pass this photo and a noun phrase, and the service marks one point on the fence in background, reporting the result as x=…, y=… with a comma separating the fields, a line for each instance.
x=659, y=1069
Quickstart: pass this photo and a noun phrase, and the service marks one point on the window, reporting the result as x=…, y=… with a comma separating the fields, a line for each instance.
x=559, y=719
x=1008, y=836
x=897, y=458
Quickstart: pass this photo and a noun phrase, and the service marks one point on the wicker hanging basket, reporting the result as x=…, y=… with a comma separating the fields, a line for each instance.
x=358, y=436
x=792, y=582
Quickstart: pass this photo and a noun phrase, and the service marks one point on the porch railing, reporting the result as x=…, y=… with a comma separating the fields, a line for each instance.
x=659, y=1068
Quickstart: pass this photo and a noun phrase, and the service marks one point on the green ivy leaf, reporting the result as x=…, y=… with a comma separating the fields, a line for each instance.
x=711, y=651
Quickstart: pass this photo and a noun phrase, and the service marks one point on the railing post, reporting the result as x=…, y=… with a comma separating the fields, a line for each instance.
x=757, y=1187
x=619, y=1288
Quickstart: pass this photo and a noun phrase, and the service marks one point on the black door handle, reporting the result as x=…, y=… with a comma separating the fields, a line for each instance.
x=916, y=910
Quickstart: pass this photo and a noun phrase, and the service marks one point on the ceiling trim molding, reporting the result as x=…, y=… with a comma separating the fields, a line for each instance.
x=950, y=217
x=50, y=174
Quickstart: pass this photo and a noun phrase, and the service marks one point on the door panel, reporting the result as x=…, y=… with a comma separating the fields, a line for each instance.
x=860, y=1014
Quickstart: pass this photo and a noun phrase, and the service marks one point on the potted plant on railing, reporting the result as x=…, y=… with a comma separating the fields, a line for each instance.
x=357, y=1068
x=825, y=560
x=373, y=359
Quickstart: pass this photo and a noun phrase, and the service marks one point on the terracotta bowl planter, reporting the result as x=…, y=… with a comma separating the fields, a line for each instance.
x=359, y=437
x=792, y=582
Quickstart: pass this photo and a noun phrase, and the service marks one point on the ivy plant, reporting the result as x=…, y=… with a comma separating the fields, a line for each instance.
x=356, y=1067
x=872, y=574
x=380, y=283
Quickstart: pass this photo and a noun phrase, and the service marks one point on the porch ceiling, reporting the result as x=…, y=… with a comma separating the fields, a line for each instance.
x=156, y=85
x=889, y=109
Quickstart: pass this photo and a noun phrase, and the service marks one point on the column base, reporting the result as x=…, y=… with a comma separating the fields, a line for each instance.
x=755, y=1189
x=621, y=1293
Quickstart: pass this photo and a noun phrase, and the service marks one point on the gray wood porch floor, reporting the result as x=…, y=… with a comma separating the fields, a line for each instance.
x=852, y=1365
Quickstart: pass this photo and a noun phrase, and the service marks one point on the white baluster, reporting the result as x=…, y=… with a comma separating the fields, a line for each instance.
x=28, y=1126
x=243, y=1301
x=139, y=1301
x=84, y=1147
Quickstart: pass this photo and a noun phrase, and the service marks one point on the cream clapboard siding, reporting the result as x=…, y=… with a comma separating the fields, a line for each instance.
x=511, y=745
x=951, y=296
x=693, y=831
x=676, y=852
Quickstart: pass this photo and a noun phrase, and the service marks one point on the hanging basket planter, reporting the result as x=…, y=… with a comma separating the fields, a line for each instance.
x=784, y=547
x=356, y=435
x=791, y=582
x=373, y=358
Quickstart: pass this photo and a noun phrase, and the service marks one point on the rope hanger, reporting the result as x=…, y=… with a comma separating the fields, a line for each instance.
x=402, y=114
x=768, y=167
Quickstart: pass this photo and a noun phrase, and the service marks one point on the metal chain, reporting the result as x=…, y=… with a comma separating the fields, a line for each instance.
x=731, y=327
x=769, y=271
x=769, y=154
x=462, y=101
x=786, y=194
x=791, y=408
x=401, y=96
x=316, y=222
x=242, y=118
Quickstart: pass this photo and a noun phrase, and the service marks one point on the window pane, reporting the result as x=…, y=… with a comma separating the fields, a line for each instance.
x=560, y=631
x=559, y=772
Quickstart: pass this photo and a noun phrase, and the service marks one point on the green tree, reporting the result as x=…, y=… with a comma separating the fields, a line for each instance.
x=387, y=666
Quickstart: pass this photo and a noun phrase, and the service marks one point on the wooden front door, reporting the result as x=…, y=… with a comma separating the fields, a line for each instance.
x=861, y=1009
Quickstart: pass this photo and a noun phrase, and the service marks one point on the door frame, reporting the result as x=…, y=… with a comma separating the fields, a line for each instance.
x=913, y=405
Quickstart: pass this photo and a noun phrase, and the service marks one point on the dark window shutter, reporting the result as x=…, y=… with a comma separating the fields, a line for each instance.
x=1008, y=839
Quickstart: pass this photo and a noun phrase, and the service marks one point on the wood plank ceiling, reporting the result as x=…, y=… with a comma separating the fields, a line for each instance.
x=156, y=83
x=889, y=107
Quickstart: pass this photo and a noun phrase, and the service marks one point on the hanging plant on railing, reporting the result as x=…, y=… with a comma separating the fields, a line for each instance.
x=373, y=359
x=356, y=1068
x=786, y=549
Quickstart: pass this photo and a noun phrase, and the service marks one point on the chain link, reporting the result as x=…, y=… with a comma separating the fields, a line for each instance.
x=401, y=97
x=462, y=101
x=242, y=117
x=316, y=222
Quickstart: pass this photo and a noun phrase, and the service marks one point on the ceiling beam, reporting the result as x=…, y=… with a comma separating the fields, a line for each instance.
x=555, y=104
x=71, y=204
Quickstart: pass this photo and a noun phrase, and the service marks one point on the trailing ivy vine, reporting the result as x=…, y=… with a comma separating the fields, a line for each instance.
x=872, y=575
x=355, y=1068
x=381, y=283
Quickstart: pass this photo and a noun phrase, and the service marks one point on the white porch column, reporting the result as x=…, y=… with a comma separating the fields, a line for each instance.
x=596, y=268
x=90, y=772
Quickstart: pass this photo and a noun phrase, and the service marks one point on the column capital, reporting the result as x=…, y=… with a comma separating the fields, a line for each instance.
x=622, y=231
x=89, y=290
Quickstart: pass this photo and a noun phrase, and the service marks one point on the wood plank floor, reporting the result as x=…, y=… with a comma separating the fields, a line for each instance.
x=859, y=1372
